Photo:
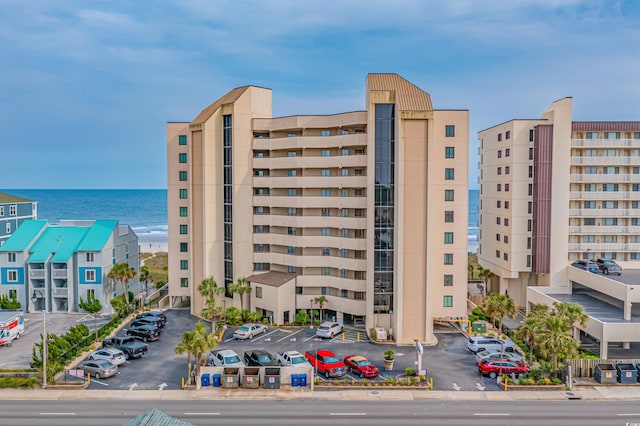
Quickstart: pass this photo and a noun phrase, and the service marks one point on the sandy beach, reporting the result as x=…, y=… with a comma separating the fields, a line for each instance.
x=154, y=244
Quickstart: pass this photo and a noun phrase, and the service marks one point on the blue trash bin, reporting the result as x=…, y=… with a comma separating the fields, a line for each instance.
x=295, y=380
x=303, y=380
x=216, y=380
x=205, y=379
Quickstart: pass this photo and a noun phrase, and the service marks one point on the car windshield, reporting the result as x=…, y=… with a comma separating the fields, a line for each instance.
x=264, y=358
x=330, y=360
x=231, y=359
x=363, y=363
x=104, y=364
x=608, y=262
x=298, y=360
x=323, y=327
x=243, y=328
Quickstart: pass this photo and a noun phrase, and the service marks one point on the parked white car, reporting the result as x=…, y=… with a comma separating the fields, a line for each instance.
x=249, y=331
x=291, y=358
x=484, y=343
x=224, y=358
x=113, y=355
x=329, y=329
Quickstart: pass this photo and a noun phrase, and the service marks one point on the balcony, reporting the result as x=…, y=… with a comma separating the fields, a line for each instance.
x=318, y=142
x=318, y=162
x=59, y=273
x=37, y=274
x=310, y=202
x=616, y=178
x=310, y=182
x=604, y=230
x=311, y=221
x=598, y=247
x=605, y=143
x=605, y=161
x=60, y=292
x=602, y=212
x=604, y=195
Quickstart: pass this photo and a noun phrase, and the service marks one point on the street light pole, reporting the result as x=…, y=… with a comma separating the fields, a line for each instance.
x=311, y=313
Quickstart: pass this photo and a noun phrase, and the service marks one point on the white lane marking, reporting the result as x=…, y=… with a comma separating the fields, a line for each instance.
x=491, y=414
x=629, y=414
x=99, y=382
x=347, y=414
x=131, y=387
x=309, y=338
x=287, y=337
x=57, y=414
x=255, y=339
x=201, y=414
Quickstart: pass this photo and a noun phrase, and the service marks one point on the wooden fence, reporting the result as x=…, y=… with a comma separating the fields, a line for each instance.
x=586, y=367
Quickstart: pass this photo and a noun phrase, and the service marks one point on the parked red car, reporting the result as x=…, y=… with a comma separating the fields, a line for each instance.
x=326, y=362
x=493, y=368
x=361, y=366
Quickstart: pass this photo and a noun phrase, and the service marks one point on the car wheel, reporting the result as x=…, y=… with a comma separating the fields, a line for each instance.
x=480, y=350
x=144, y=339
x=326, y=374
x=606, y=272
x=90, y=358
x=361, y=375
x=97, y=375
x=509, y=349
x=493, y=374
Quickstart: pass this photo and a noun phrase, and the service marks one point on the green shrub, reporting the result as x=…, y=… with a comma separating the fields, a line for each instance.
x=479, y=312
x=556, y=381
x=410, y=372
x=8, y=304
x=17, y=382
x=302, y=317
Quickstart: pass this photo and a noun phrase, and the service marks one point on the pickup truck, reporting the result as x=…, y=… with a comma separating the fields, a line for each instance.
x=326, y=362
x=129, y=345
x=146, y=334
x=288, y=358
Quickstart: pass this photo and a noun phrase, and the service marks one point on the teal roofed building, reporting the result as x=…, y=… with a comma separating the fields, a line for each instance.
x=56, y=265
x=13, y=212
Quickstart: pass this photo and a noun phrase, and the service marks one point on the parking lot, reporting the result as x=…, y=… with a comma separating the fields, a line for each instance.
x=449, y=363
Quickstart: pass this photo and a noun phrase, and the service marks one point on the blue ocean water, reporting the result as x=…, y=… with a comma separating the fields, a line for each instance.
x=144, y=210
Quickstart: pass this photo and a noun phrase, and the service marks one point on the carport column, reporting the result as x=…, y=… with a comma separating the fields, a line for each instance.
x=604, y=349
x=626, y=345
x=627, y=310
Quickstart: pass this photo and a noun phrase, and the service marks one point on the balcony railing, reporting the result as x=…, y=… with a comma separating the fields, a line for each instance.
x=605, y=230
x=36, y=273
x=601, y=177
x=596, y=247
x=605, y=143
x=606, y=161
x=59, y=273
x=603, y=212
x=605, y=195
x=60, y=291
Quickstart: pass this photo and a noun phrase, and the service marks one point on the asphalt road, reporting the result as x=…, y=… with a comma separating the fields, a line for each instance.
x=310, y=412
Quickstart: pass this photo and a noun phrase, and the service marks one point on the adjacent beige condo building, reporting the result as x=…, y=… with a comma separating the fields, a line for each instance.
x=367, y=208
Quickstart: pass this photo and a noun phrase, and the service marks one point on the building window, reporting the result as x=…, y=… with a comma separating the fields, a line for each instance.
x=449, y=152
x=292, y=192
x=182, y=157
x=326, y=192
x=447, y=301
x=505, y=256
x=292, y=154
x=448, y=216
x=345, y=152
x=8, y=228
x=184, y=247
x=448, y=280
x=499, y=153
x=530, y=171
x=448, y=174
x=530, y=207
x=89, y=257
x=449, y=131
x=344, y=253
x=448, y=258
x=448, y=194
x=530, y=153
x=528, y=243
x=184, y=229
x=1, y=210
x=292, y=173
x=499, y=187
x=345, y=293
x=90, y=275
x=183, y=194
x=326, y=232
x=497, y=221
x=326, y=251
x=292, y=211
x=499, y=170
x=183, y=212
x=448, y=237
x=506, y=205
x=498, y=204
x=182, y=175
x=507, y=170
x=507, y=152
x=507, y=134
x=499, y=137
x=182, y=139
x=291, y=250
x=326, y=212
x=258, y=292
x=531, y=135
x=325, y=133
x=612, y=135
x=184, y=265
x=528, y=261
x=498, y=254
x=530, y=189
x=505, y=239
x=292, y=230
x=12, y=275
x=325, y=270
x=326, y=153
x=506, y=221
x=325, y=172
x=184, y=282
x=506, y=187
x=292, y=269
x=11, y=257
x=497, y=237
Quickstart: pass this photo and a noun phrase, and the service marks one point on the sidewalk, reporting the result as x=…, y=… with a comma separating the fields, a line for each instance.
x=586, y=393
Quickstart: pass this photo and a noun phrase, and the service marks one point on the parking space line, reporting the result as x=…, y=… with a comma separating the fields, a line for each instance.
x=286, y=337
x=255, y=339
x=309, y=338
x=99, y=382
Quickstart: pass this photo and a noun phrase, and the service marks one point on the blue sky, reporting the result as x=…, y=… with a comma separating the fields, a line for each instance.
x=86, y=87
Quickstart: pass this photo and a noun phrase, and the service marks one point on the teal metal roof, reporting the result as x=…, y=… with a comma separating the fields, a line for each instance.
x=24, y=235
x=59, y=242
x=98, y=235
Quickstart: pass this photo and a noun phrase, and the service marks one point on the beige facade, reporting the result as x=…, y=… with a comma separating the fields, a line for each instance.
x=368, y=208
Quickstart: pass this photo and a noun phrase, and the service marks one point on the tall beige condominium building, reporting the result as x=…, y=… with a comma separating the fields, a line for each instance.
x=552, y=191
x=365, y=208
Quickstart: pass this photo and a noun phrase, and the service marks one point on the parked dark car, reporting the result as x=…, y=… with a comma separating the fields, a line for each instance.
x=153, y=321
x=586, y=265
x=259, y=358
x=154, y=314
x=608, y=266
x=144, y=333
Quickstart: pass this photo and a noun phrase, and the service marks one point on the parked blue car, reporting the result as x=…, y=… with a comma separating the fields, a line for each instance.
x=587, y=265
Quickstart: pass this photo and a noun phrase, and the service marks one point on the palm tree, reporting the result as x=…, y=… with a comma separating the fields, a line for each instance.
x=499, y=306
x=554, y=338
x=573, y=313
x=144, y=276
x=241, y=288
x=486, y=276
x=209, y=289
x=122, y=272
x=321, y=300
x=203, y=342
x=187, y=345
x=527, y=332
x=470, y=269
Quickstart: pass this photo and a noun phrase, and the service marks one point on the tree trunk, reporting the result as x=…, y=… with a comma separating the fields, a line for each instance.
x=125, y=289
x=241, y=301
x=531, y=353
x=500, y=324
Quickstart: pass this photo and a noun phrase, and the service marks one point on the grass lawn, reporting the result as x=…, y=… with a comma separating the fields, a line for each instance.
x=158, y=265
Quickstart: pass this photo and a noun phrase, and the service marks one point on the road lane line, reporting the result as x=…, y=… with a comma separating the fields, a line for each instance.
x=491, y=414
x=201, y=414
x=347, y=414
x=286, y=337
x=57, y=414
x=629, y=414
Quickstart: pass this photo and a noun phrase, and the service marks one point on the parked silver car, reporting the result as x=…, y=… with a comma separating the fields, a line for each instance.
x=113, y=355
x=608, y=266
x=496, y=356
x=329, y=329
x=224, y=358
x=99, y=369
x=484, y=343
x=249, y=331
